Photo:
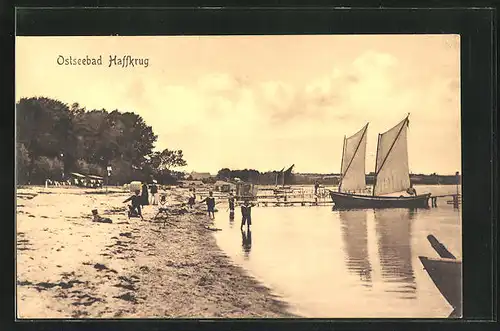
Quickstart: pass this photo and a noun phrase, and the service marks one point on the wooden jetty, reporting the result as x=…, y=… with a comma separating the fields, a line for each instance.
x=293, y=203
x=456, y=199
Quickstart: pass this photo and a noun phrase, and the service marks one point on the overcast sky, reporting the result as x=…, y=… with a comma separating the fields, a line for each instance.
x=265, y=102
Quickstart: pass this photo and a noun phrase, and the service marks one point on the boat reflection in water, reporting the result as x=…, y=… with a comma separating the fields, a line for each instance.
x=346, y=263
x=246, y=242
x=355, y=236
x=394, y=233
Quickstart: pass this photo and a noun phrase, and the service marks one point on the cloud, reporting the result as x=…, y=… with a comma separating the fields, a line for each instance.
x=354, y=93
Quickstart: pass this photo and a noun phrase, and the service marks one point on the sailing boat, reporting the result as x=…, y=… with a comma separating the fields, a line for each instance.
x=391, y=172
x=283, y=174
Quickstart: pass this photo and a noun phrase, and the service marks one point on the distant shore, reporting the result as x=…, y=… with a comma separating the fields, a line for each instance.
x=71, y=267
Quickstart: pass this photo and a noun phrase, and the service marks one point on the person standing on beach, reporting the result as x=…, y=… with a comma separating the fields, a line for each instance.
x=192, y=198
x=154, y=193
x=210, y=201
x=135, y=207
x=246, y=214
x=231, y=206
x=145, y=194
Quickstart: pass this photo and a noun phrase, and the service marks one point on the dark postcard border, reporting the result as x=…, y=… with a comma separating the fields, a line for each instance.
x=478, y=99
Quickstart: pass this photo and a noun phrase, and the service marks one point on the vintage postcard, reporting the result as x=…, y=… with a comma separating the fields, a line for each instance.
x=308, y=176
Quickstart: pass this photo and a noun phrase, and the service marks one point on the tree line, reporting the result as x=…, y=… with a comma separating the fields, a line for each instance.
x=54, y=139
x=256, y=177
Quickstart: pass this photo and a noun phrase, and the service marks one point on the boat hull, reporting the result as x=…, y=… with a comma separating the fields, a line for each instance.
x=447, y=276
x=354, y=201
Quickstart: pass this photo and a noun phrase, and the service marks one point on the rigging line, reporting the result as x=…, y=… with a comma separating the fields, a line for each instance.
x=375, y=172
x=393, y=143
x=355, y=151
x=341, y=165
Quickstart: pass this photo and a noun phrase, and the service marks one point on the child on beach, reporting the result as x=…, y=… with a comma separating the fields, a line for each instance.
x=145, y=194
x=135, y=207
x=154, y=193
x=97, y=218
x=191, y=199
x=210, y=201
x=231, y=203
x=246, y=214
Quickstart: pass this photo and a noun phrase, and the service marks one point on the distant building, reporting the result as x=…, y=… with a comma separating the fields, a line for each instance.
x=190, y=183
x=246, y=190
x=200, y=175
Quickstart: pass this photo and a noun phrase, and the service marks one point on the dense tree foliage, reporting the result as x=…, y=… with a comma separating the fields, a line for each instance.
x=54, y=139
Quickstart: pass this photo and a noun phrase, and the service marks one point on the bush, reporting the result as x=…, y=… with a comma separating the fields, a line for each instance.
x=47, y=168
x=86, y=168
x=82, y=166
x=95, y=169
x=22, y=164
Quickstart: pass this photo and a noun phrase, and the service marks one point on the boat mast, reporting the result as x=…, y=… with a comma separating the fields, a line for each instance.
x=375, y=172
x=283, y=179
x=390, y=149
x=342, y=164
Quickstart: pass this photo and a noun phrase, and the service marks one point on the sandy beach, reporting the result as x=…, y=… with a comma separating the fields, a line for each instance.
x=70, y=267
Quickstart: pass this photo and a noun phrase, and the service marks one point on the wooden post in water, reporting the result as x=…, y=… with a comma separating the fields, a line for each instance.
x=455, y=198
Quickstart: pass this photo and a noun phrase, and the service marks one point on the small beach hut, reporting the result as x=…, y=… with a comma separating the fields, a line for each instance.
x=77, y=179
x=223, y=186
x=246, y=190
x=135, y=186
x=95, y=181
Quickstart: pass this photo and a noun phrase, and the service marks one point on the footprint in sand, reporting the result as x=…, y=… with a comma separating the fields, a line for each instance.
x=90, y=300
x=101, y=267
x=126, y=234
x=127, y=297
x=130, y=287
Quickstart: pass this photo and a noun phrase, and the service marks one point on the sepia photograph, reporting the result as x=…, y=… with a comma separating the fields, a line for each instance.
x=238, y=176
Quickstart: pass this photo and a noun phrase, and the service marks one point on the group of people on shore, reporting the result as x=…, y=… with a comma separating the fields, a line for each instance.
x=246, y=207
x=141, y=198
x=246, y=211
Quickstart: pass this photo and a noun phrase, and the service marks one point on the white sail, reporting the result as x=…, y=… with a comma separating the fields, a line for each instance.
x=392, y=170
x=353, y=162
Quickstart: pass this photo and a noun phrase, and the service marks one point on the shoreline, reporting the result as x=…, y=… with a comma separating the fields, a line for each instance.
x=71, y=267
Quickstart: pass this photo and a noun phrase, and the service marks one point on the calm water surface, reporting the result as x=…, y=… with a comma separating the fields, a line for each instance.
x=358, y=263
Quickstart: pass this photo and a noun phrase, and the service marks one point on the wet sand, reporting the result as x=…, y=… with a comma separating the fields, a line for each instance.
x=71, y=267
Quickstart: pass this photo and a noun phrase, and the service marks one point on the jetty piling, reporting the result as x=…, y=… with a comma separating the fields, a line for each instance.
x=456, y=199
